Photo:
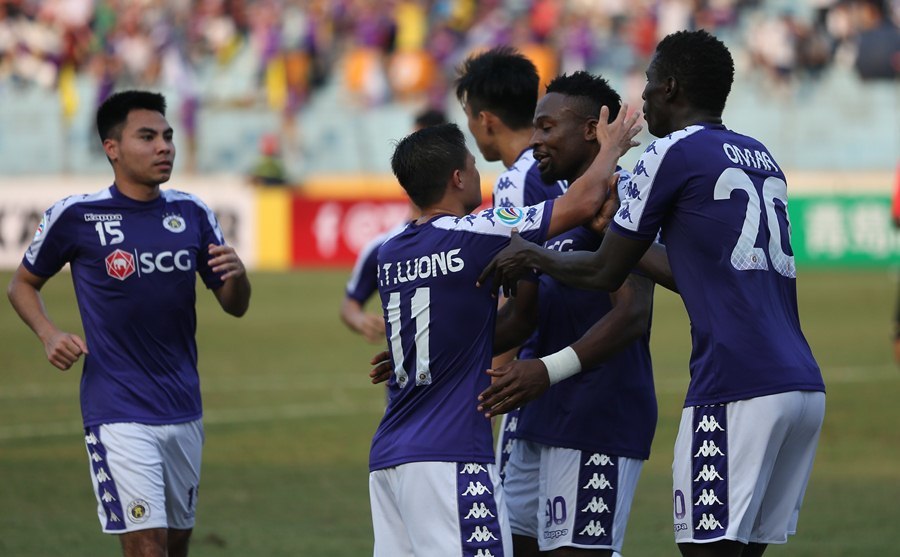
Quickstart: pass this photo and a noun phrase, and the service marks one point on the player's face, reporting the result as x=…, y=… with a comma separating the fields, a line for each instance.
x=655, y=106
x=471, y=180
x=562, y=138
x=145, y=152
x=478, y=127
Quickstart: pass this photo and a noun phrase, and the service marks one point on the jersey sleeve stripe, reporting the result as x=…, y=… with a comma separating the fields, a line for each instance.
x=634, y=197
x=52, y=216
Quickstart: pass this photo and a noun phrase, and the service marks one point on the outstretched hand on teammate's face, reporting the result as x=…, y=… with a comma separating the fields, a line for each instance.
x=512, y=385
x=619, y=133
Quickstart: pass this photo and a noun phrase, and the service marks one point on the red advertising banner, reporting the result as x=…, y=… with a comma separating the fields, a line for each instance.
x=331, y=232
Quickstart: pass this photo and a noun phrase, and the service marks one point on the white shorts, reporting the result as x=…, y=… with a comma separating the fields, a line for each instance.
x=505, y=436
x=439, y=509
x=741, y=468
x=145, y=476
x=569, y=498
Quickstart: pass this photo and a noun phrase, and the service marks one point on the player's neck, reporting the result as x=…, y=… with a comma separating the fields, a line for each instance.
x=512, y=143
x=440, y=209
x=694, y=117
x=138, y=192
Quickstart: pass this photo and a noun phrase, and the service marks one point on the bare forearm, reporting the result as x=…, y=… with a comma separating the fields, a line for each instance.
x=234, y=295
x=577, y=269
x=29, y=305
x=625, y=323
x=655, y=265
x=516, y=320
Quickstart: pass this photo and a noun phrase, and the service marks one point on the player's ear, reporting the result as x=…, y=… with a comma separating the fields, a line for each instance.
x=590, y=130
x=111, y=147
x=488, y=121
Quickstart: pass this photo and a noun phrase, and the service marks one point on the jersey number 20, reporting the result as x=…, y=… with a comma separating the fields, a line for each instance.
x=746, y=255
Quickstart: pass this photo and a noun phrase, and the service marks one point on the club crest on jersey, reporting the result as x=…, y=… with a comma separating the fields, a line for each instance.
x=138, y=511
x=174, y=223
x=510, y=216
x=120, y=264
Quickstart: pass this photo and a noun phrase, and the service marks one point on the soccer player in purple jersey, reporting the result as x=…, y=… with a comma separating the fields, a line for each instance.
x=498, y=90
x=135, y=251
x=433, y=486
x=756, y=400
x=581, y=444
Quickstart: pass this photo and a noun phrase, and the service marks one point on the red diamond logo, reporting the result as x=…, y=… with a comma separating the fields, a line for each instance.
x=120, y=264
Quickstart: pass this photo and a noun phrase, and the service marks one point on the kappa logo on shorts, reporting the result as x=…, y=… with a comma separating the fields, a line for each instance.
x=484, y=553
x=472, y=468
x=481, y=534
x=708, y=423
x=593, y=528
x=598, y=459
x=598, y=482
x=479, y=510
x=709, y=448
x=138, y=511
x=709, y=522
x=708, y=473
x=597, y=505
x=476, y=488
x=708, y=497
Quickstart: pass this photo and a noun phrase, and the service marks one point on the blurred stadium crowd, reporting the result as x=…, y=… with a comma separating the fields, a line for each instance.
x=278, y=53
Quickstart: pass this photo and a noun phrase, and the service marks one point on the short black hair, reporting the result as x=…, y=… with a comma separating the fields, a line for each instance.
x=502, y=81
x=430, y=117
x=592, y=91
x=424, y=161
x=114, y=111
x=701, y=64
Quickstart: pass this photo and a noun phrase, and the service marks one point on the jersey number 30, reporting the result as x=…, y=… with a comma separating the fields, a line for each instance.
x=420, y=311
x=746, y=256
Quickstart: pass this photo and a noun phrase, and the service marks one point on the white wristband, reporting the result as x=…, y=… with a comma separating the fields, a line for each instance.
x=562, y=364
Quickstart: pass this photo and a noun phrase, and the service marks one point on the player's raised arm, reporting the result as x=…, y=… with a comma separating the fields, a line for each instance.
x=587, y=194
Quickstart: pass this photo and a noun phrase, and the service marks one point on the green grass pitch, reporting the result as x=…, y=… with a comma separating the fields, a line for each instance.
x=290, y=412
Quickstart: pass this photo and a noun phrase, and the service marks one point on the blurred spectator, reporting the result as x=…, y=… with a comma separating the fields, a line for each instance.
x=269, y=168
x=429, y=117
x=878, y=47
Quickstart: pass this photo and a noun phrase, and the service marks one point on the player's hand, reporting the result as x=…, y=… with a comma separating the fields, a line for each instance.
x=508, y=266
x=383, y=367
x=225, y=261
x=620, y=132
x=512, y=385
x=64, y=349
x=371, y=327
x=607, y=212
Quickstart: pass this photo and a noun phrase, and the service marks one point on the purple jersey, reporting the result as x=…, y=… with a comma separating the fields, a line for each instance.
x=720, y=201
x=610, y=408
x=133, y=266
x=363, y=281
x=440, y=329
